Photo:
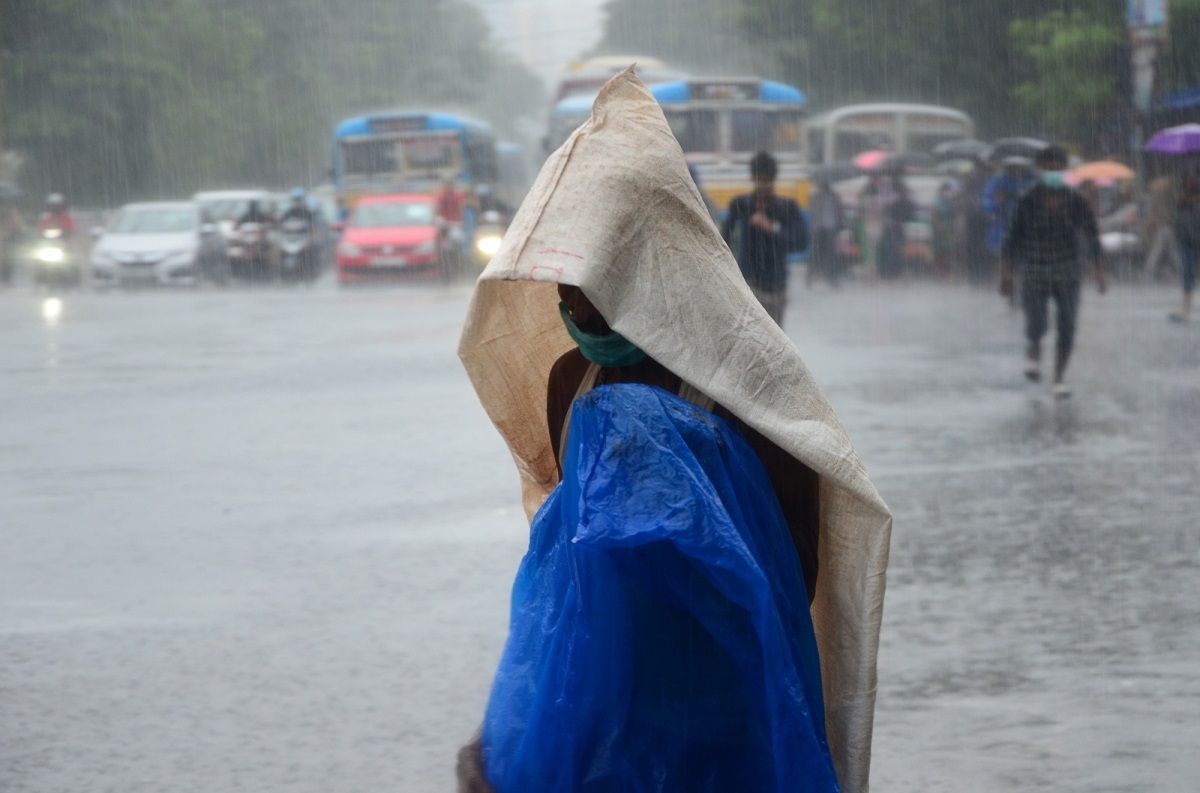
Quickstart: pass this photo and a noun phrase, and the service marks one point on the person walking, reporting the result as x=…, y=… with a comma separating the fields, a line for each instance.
x=1187, y=231
x=767, y=228
x=897, y=213
x=1160, y=228
x=828, y=216
x=683, y=474
x=1050, y=225
x=1000, y=199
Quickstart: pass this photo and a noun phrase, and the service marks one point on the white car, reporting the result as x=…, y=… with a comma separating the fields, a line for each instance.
x=159, y=243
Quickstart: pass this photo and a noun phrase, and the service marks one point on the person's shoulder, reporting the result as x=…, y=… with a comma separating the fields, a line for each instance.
x=568, y=369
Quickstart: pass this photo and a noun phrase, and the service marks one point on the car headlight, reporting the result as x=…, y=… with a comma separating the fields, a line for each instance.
x=50, y=254
x=349, y=249
x=489, y=244
x=425, y=248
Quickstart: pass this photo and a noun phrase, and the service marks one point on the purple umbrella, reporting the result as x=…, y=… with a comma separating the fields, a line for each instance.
x=1176, y=140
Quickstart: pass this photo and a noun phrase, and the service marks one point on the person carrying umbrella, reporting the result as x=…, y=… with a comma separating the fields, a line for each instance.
x=1050, y=225
x=1187, y=231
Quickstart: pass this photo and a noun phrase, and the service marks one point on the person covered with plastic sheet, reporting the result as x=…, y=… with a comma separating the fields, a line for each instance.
x=690, y=492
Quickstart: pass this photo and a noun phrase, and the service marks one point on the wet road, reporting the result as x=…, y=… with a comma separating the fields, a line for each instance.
x=262, y=540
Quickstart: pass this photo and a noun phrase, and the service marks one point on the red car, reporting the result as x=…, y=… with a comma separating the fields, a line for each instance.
x=390, y=235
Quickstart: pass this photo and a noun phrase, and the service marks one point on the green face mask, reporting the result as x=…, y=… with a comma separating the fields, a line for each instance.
x=612, y=350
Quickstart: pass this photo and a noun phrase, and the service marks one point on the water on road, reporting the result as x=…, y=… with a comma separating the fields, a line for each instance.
x=262, y=540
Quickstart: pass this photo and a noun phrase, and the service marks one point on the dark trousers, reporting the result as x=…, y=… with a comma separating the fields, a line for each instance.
x=1036, y=294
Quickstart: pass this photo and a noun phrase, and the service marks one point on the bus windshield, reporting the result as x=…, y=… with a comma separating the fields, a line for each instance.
x=400, y=156
x=757, y=130
x=696, y=130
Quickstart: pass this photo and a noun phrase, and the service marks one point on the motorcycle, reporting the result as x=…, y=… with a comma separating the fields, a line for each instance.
x=298, y=255
x=488, y=236
x=250, y=251
x=53, y=263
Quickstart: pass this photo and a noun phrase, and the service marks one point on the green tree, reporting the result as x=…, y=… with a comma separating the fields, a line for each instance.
x=1073, y=59
x=112, y=99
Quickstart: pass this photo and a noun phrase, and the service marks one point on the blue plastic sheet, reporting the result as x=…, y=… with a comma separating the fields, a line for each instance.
x=660, y=637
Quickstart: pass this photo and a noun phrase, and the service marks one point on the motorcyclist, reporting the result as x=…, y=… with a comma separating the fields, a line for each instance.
x=57, y=217
x=298, y=208
x=254, y=214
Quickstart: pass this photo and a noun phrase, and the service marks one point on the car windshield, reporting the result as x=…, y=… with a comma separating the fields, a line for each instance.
x=154, y=221
x=372, y=216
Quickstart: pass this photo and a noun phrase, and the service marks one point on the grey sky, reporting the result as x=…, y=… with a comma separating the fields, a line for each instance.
x=546, y=34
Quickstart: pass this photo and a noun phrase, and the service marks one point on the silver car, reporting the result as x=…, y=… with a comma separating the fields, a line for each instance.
x=159, y=243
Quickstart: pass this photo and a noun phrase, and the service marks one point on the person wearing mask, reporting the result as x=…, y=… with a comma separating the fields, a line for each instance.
x=1187, y=231
x=57, y=217
x=1050, y=226
x=1160, y=227
x=768, y=227
x=681, y=470
x=828, y=216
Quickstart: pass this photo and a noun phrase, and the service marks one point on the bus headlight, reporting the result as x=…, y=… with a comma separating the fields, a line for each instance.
x=489, y=244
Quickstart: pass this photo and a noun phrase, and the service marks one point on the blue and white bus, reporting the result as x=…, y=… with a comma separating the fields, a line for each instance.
x=721, y=124
x=411, y=152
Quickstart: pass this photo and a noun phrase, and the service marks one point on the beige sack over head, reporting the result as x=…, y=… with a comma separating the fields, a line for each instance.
x=615, y=212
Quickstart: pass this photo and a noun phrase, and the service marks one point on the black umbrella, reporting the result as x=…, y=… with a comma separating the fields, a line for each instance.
x=1016, y=147
x=966, y=149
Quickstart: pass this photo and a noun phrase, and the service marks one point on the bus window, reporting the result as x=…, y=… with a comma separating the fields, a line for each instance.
x=927, y=142
x=370, y=157
x=759, y=130
x=816, y=146
x=849, y=144
x=431, y=154
x=481, y=154
x=696, y=130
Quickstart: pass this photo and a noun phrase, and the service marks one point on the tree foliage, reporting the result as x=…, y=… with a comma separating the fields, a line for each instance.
x=1070, y=55
x=989, y=58
x=112, y=99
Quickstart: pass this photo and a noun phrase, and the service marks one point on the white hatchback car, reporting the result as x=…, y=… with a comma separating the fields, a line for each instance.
x=166, y=242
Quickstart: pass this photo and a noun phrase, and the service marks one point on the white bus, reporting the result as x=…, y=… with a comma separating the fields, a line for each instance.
x=842, y=134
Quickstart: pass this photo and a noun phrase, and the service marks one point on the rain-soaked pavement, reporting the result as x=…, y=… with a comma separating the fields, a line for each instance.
x=262, y=540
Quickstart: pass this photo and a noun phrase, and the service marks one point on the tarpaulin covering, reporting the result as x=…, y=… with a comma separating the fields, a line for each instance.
x=615, y=212
x=660, y=637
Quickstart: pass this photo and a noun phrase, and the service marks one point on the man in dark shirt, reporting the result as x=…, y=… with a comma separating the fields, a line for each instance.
x=1050, y=225
x=768, y=227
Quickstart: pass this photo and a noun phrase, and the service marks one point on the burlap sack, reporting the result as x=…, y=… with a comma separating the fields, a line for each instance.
x=615, y=212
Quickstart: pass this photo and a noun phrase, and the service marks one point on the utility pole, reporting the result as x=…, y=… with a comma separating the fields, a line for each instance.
x=1147, y=21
